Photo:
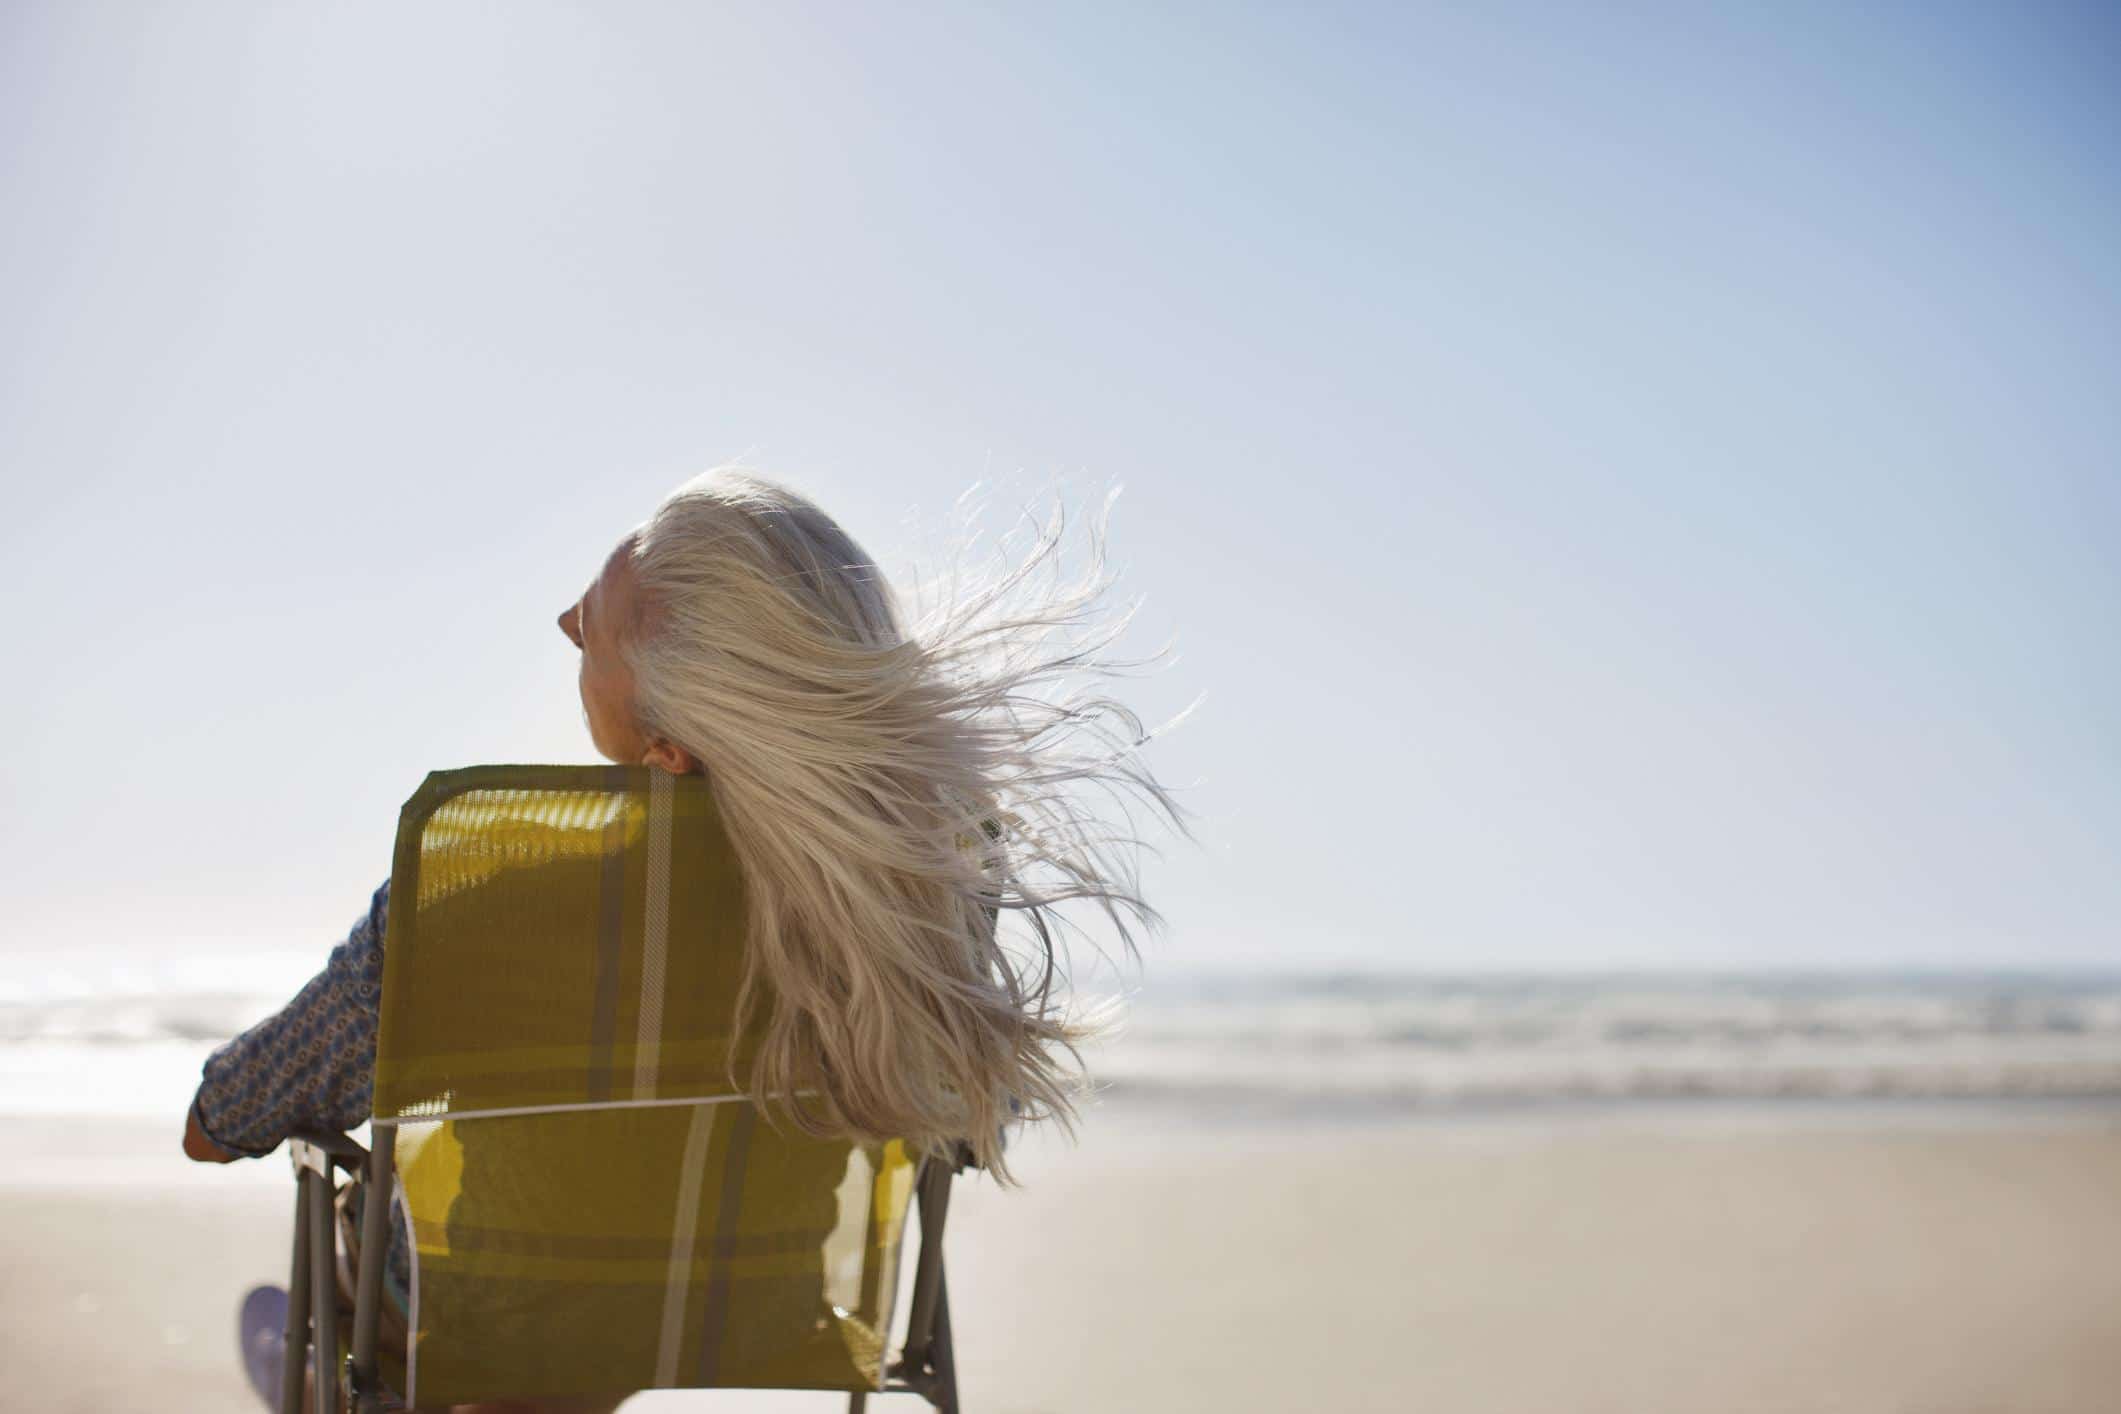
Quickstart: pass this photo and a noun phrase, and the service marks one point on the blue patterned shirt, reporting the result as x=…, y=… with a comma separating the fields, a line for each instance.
x=311, y=1065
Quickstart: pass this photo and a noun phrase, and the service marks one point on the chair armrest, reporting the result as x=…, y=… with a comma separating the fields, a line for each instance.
x=319, y=1150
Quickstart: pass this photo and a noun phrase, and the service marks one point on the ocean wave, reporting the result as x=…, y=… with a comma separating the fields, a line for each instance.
x=1455, y=1015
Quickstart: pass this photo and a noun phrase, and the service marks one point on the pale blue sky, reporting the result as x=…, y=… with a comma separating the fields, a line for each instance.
x=1635, y=487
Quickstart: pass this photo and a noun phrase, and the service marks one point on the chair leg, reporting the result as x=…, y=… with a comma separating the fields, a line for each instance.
x=323, y=1291
x=942, y=1354
x=368, y=1281
x=857, y=1402
x=295, y=1352
x=928, y=1362
x=933, y=1195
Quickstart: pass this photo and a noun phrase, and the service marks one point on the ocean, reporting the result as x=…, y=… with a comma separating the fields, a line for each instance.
x=1405, y=1042
x=96, y=1035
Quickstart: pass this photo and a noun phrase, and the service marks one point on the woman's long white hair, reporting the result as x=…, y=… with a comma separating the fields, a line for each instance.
x=892, y=795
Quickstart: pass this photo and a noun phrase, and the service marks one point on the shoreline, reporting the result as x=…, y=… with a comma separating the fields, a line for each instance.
x=40, y=1149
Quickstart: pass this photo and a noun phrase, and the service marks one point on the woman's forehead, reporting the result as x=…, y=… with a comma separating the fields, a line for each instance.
x=613, y=590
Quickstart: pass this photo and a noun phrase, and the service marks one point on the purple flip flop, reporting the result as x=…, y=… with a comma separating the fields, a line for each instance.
x=261, y=1335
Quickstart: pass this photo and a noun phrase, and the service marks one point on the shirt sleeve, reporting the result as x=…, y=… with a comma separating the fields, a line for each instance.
x=312, y=1064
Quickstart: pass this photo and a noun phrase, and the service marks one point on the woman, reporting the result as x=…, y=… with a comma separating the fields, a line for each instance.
x=891, y=796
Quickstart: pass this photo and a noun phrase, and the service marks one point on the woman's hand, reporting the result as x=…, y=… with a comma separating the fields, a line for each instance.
x=197, y=1146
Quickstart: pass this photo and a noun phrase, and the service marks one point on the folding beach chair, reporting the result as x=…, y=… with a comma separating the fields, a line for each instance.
x=592, y=1206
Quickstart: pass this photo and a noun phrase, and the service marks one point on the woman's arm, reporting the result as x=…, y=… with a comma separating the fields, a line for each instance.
x=310, y=1066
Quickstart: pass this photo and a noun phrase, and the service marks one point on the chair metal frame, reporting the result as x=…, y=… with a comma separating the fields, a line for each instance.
x=927, y=1363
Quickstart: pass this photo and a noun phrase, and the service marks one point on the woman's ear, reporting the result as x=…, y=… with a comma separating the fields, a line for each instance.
x=671, y=757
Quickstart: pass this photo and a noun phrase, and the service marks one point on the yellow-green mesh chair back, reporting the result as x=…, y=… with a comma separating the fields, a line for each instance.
x=593, y=1205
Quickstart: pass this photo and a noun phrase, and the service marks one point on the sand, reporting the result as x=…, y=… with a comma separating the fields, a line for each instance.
x=1734, y=1260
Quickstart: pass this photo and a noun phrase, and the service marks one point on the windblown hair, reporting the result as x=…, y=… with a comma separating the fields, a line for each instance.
x=892, y=797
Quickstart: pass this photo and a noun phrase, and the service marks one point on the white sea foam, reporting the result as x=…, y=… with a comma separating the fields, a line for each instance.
x=1432, y=1040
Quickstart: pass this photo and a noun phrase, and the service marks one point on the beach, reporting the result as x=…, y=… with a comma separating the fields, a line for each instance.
x=1719, y=1256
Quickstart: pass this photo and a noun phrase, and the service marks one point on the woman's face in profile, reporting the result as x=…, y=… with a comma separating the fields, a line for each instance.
x=594, y=623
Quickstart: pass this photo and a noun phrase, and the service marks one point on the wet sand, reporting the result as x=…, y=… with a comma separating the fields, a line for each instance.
x=1708, y=1260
